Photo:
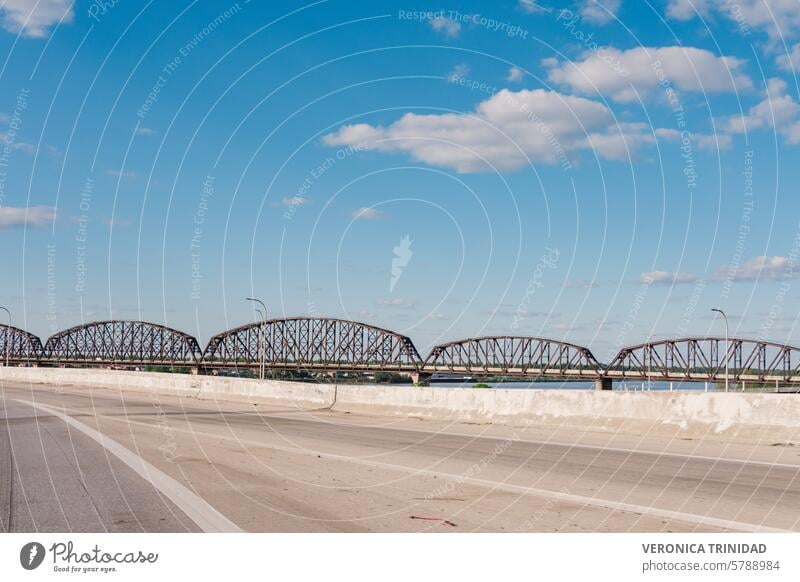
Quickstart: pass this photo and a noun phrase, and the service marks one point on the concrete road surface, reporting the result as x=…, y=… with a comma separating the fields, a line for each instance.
x=90, y=460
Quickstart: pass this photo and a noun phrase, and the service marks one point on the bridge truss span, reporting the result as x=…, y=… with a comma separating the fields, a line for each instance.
x=19, y=345
x=704, y=359
x=513, y=356
x=313, y=343
x=120, y=342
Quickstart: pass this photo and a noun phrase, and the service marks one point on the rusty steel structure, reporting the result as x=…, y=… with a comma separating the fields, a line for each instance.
x=312, y=343
x=513, y=356
x=328, y=345
x=20, y=346
x=704, y=359
x=123, y=343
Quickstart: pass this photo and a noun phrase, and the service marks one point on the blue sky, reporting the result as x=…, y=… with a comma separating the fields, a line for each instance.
x=600, y=172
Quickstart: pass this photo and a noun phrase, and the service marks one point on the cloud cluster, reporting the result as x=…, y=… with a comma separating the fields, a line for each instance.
x=777, y=18
x=448, y=27
x=367, y=213
x=777, y=110
x=666, y=278
x=790, y=60
x=763, y=268
x=33, y=18
x=507, y=130
x=599, y=11
x=34, y=216
x=628, y=75
x=514, y=75
x=459, y=72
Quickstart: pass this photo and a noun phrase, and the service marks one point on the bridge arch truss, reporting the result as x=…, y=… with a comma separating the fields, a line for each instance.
x=308, y=343
x=513, y=356
x=705, y=359
x=124, y=343
x=20, y=345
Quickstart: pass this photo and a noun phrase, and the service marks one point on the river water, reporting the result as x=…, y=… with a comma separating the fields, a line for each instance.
x=637, y=386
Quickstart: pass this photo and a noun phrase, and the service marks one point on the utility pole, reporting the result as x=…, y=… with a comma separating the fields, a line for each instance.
x=261, y=347
x=260, y=344
x=727, y=340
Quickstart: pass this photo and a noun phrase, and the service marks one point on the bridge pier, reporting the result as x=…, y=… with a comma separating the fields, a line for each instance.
x=420, y=378
x=604, y=384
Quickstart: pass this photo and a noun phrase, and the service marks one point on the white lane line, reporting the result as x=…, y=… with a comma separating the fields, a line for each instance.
x=701, y=520
x=195, y=507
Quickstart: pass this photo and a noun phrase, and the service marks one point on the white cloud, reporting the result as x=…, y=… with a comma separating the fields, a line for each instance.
x=449, y=28
x=33, y=18
x=703, y=141
x=580, y=284
x=707, y=141
x=777, y=110
x=532, y=7
x=366, y=213
x=514, y=75
x=687, y=9
x=128, y=175
x=145, y=131
x=460, y=71
x=625, y=74
x=11, y=142
x=34, y=216
x=508, y=130
x=763, y=267
x=396, y=303
x=777, y=18
x=600, y=11
x=769, y=268
x=666, y=278
x=294, y=201
x=116, y=222
x=790, y=61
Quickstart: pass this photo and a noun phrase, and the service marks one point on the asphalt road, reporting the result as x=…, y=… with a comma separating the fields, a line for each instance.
x=90, y=460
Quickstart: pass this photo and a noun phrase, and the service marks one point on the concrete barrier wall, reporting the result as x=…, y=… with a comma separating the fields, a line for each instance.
x=295, y=394
x=754, y=416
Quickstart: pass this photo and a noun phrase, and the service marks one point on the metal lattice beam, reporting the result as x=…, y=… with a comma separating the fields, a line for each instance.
x=124, y=343
x=307, y=343
x=513, y=356
x=23, y=347
x=704, y=359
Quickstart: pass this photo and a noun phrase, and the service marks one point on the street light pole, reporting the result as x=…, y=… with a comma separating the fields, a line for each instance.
x=8, y=332
x=727, y=347
x=262, y=347
x=260, y=344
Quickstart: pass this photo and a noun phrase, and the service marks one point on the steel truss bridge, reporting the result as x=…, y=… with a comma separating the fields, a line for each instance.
x=329, y=345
